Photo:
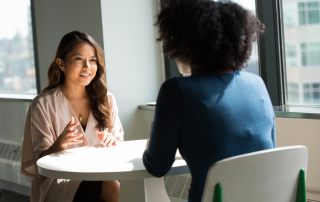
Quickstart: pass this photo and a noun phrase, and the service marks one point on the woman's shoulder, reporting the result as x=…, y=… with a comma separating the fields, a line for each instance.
x=45, y=97
x=249, y=75
x=111, y=99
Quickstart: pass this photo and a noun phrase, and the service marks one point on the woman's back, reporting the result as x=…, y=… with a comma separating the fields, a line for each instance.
x=209, y=117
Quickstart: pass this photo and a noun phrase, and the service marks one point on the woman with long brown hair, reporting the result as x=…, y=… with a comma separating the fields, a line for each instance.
x=74, y=110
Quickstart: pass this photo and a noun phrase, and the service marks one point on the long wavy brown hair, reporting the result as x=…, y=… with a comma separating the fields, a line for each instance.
x=97, y=89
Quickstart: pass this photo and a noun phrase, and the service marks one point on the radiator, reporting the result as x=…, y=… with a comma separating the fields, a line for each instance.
x=10, y=163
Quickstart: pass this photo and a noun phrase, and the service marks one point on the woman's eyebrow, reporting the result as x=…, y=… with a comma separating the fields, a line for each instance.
x=82, y=55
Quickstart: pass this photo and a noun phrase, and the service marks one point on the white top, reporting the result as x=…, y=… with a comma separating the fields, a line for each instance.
x=121, y=162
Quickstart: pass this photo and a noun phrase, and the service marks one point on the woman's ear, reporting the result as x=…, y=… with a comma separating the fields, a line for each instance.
x=60, y=64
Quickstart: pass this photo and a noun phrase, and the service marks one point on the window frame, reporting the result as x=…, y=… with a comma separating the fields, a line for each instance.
x=272, y=50
x=26, y=97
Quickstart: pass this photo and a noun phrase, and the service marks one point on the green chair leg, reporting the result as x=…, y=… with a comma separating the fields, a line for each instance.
x=301, y=192
x=217, y=197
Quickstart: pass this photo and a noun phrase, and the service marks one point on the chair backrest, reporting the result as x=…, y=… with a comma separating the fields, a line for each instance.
x=264, y=176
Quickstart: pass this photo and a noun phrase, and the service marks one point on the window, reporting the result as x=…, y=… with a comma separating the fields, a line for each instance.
x=291, y=55
x=293, y=93
x=302, y=53
x=289, y=14
x=310, y=53
x=309, y=13
x=311, y=93
x=17, y=66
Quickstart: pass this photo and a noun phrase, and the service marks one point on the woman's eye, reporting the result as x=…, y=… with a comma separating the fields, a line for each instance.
x=78, y=58
x=93, y=60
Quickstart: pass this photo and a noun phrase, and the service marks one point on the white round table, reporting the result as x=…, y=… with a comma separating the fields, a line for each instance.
x=122, y=162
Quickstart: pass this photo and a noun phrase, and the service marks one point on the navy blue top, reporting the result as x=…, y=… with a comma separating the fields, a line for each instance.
x=209, y=117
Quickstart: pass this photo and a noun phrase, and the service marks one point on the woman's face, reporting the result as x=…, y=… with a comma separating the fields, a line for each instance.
x=80, y=65
x=183, y=68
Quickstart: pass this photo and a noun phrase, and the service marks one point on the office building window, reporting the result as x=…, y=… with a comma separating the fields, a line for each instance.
x=310, y=53
x=293, y=93
x=291, y=54
x=290, y=14
x=309, y=13
x=311, y=93
x=17, y=66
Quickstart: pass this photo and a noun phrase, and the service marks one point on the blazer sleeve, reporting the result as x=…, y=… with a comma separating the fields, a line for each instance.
x=167, y=125
x=38, y=137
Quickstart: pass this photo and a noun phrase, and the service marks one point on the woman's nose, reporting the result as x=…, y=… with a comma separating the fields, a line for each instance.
x=87, y=64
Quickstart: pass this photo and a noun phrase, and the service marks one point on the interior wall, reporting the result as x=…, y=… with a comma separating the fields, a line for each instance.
x=12, y=119
x=132, y=60
x=292, y=131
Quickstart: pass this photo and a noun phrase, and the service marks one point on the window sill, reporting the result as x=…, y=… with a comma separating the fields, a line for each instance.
x=304, y=112
x=146, y=107
x=22, y=97
x=301, y=112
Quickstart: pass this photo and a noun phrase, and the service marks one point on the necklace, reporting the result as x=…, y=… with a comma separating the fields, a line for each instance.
x=80, y=115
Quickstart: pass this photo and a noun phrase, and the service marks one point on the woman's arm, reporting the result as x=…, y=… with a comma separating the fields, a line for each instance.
x=164, y=137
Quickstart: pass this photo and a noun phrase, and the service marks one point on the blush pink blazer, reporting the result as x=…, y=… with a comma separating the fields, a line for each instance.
x=47, y=117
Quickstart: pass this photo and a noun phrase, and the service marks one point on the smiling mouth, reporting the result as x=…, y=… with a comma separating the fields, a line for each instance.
x=85, y=75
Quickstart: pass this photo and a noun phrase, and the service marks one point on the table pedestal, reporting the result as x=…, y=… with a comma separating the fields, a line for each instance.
x=146, y=190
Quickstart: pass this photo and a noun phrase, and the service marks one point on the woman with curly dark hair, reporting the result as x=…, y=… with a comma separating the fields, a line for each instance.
x=219, y=111
x=74, y=110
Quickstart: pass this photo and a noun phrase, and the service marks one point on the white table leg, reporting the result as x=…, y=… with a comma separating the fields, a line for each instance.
x=144, y=190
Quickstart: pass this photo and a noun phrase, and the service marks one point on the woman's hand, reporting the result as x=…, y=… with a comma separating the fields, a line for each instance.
x=68, y=136
x=106, y=138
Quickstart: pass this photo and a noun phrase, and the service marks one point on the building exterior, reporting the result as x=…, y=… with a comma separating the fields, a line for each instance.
x=301, y=20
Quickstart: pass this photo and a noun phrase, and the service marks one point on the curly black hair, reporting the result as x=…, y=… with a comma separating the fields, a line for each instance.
x=208, y=35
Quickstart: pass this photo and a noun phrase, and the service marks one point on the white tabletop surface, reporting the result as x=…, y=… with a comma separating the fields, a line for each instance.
x=121, y=162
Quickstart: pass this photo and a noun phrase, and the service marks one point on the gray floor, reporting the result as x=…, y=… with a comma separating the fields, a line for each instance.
x=8, y=196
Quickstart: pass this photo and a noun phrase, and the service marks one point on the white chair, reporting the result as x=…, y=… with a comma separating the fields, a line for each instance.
x=264, y=176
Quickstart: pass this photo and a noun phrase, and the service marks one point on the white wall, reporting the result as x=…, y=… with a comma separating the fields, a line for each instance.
x=291, y=131
x=132, y=60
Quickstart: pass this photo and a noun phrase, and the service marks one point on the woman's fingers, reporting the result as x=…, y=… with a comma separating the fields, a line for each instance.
x=108, y=139
x=99, y=134
x=72, y=132
x=75, y=137
x=71, y=126
x=111, y=142
x=71, y=121
x=104, y=139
